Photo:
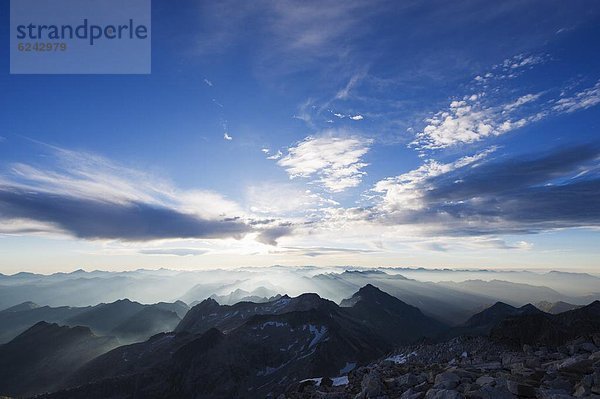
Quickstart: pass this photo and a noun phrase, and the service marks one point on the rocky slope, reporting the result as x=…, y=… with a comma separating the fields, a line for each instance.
x=547, y=329
x=472, y=368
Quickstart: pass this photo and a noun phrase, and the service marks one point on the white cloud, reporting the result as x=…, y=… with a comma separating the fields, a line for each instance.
x=173, y=251
x=227, y=137
x=521, y=101
x=511, y=68
x=406, y=191
x=265, y=150
x=275, y=156
x=581, y=100
x=336, y=161
x=284, y=199
x=345, y=92
x=471, y=119
x=208, y=83
x=357, y=117
x=92, y=177
x=522, y=61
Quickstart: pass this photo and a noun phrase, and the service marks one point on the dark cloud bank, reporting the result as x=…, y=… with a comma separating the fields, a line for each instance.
x=523, y=194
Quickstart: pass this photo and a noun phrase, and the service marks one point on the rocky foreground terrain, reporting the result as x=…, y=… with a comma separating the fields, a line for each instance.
x=469, y=367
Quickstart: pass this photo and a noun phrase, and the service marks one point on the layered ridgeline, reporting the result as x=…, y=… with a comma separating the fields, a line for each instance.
x=483, y=322
x=448, y=295
x=253, y=349
x=295, y=346
x=127, y=320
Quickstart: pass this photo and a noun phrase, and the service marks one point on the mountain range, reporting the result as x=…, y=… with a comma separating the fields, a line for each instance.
x=450, y=296
x=127, y=320
x=260, y=342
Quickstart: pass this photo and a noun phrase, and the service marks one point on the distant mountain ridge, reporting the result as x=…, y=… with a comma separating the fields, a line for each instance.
x=556, y=307
x=129, y=321
x=480, y=324
x=248, y=349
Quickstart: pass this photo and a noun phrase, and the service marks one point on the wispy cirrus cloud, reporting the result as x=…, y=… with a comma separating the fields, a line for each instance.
x=512, y=67
x=581, y=100
x=331, y=159
x=278, y=199
x=173, y=251
x=288, y=36
x=89, y=197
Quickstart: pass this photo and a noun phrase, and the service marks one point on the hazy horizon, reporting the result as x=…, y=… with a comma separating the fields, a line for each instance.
x=324, y=269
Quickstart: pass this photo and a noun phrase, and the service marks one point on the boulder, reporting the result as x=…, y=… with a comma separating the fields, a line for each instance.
x=587, y=347
x=579, y=364
x=521, y=389
x=485, y=380
x=553, y=394
x=443, y=394
x=407, y=380
x=372, y=385
x=412, y=394
x=446, y=380
x=490, y=392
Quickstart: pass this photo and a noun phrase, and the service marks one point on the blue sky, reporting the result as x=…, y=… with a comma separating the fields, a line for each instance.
x=328, y=133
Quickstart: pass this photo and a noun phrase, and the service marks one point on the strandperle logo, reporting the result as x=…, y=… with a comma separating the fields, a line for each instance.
x=85, y=31
x=80, y=37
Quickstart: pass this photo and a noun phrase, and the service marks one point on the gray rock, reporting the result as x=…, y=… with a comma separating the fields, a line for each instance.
x=521, y=389
x=408, y=379
x=588, y=347
x=412, y=394
x=489, y=366
x=371, y=384
x=587, y=380
x=422, y=387
x=509, y=359
x=446, y=380
x=490, y=392
x=581, y=390
x=576, y=365
x=561, y=384
x=553, y=394
x=443, y=394
x=532, y=363
x=485, y=380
